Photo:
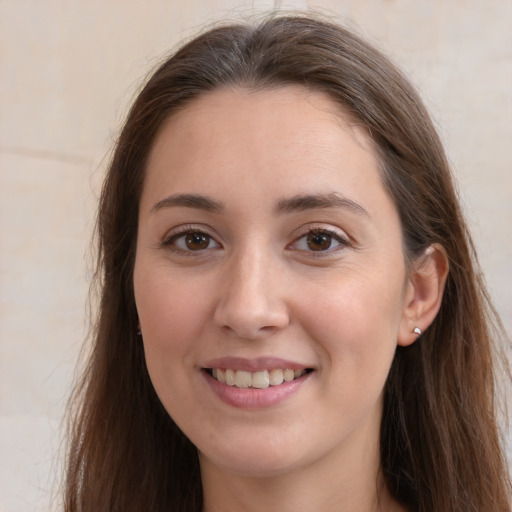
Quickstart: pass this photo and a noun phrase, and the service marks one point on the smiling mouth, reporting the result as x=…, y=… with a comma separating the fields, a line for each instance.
x=257, y=380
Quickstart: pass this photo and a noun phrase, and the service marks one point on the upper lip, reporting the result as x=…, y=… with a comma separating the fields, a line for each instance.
x=254, y=364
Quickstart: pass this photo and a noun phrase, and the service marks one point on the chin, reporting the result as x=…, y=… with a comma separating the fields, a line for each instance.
x=256, y=459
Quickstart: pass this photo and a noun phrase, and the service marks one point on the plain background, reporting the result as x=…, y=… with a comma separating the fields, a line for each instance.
x=68, y=71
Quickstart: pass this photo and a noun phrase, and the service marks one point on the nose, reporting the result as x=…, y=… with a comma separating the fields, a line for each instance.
x=252, y=303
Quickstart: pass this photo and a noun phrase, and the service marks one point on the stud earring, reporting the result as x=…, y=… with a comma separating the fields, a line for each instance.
x=417, y=331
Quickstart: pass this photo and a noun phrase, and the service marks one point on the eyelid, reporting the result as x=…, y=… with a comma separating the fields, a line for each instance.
x=338, y=234
x=184, y=229
x=319, y=226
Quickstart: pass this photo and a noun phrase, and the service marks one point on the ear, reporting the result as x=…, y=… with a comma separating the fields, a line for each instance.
x=424, y=293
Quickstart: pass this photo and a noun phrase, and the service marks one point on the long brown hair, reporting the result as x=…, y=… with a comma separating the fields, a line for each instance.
x=440, y=448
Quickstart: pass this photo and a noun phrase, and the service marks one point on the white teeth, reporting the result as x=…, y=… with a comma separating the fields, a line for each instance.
x=243, y=379
x=230, y=377
x=276, y=377
x=288, y=375
x=260, y=380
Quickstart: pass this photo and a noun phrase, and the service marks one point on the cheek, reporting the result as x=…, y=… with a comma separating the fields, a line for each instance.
x=167, y=305
x=354, y=307
x=355, y=328
x=171, y=314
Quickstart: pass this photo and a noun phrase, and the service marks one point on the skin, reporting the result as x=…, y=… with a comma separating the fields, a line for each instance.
x=254, y=288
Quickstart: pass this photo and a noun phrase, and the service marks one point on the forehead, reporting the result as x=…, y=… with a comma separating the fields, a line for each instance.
x=267, y=109
x=288, y=140
x=287, y=125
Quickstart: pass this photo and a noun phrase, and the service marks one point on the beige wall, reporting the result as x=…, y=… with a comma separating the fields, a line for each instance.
x=68, y=70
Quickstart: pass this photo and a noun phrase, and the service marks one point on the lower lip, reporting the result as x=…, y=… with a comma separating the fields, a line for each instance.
x=252, y=398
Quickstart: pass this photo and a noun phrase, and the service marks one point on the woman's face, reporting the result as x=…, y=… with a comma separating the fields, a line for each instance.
x=269, y=250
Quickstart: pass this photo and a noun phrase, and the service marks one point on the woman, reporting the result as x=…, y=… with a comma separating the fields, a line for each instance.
x=291, y=315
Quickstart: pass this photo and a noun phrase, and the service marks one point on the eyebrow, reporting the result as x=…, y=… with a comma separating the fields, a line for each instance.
x=317, y=201
x=189, y=201
x=297, y=203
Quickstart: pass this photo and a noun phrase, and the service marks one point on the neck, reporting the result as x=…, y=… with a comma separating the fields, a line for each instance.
x=288, y=494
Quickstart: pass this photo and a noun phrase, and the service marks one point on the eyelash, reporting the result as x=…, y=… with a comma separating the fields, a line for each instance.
x=170, y=241
x=343, y=241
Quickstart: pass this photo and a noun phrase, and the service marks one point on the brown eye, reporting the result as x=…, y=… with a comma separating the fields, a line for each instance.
x=197, y=241
x=319, y=241
x=191, y=241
